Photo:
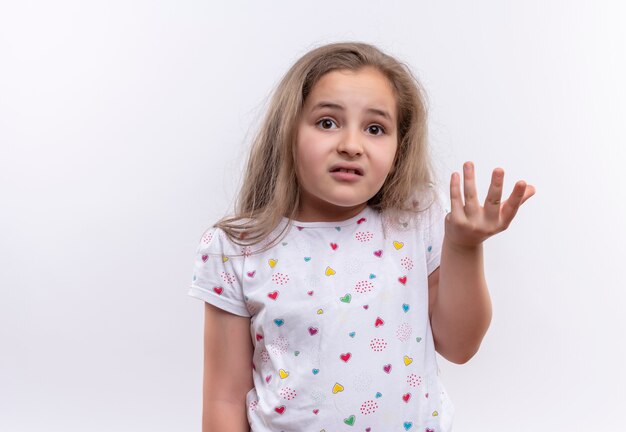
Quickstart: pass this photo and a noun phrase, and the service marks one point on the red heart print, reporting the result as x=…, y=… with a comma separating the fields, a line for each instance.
x=273, y=295
x=334, y=246
x=426, y=395
x=379, y=322
x=365, y=306
x=300, y=228
x=280, y=409
x=315, y=411
x=368, y=429
x=268, y=378
x=406, y=397
x=259, y=337
x=378, y=253
x=310, y=293
x=312, y=330
x=430, y=430
x=205, y=257
x=387, y=368
x=402, y=280
x=360, y=221
x=345, y=357
x=252, y=273
x=218, y=290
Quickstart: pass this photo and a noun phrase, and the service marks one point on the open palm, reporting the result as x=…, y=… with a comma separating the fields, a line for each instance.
x=469, y=224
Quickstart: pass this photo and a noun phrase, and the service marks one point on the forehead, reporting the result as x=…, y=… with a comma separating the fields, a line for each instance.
x=362, y=89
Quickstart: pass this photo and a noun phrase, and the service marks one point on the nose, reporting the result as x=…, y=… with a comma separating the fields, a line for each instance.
x=350, y=143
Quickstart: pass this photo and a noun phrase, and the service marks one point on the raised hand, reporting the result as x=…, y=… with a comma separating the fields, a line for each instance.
x=469, y=224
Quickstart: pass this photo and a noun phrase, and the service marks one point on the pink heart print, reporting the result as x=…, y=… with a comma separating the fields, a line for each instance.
x=364, y=236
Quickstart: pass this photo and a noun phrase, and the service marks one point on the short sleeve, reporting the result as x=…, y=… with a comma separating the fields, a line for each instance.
x=434, y=229
x=217, y=270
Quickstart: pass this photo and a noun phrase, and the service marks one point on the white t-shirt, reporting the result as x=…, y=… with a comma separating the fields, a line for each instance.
x=339, y=323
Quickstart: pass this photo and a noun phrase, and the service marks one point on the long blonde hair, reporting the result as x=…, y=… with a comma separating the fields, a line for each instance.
x=270, y=189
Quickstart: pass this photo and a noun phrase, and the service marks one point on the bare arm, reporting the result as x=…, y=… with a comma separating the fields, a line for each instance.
x=459, y=305
x=227, y=371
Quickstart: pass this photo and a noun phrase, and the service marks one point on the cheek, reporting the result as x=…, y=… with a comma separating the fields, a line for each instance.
x=299, y=165
x=385, y=159
x=305, y=160
x=309, y=154
x=299, y=153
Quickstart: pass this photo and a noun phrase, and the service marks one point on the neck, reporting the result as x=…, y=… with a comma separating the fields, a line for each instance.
x=328, y=213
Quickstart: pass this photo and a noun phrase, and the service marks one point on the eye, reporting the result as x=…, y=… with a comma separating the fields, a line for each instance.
x=325, y=121
x=378, y=128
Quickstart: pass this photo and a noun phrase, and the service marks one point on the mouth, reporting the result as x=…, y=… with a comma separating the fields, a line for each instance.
x=349, y=170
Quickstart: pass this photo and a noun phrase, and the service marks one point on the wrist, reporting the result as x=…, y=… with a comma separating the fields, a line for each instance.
x=461, y=248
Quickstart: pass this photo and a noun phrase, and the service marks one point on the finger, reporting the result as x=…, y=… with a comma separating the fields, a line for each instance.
x=456, y=202
x=494, y=195
x=511, y=205
x=530, y=191
x=469, y=187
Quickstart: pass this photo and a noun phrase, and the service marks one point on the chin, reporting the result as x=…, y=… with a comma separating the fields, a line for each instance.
x=348, y=203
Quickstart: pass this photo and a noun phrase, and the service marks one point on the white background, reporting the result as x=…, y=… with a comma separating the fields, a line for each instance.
x=123, y=125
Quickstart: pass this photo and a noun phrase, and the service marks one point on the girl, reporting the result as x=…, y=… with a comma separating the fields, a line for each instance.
x=340, y=275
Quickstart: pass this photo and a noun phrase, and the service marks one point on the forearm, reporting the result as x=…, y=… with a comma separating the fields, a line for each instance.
x=218, y=416
x=462, y=309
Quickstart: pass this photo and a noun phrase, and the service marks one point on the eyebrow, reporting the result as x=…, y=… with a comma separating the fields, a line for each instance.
x=332, y=105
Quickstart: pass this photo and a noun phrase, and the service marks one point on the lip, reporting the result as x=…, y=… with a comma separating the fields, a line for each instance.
x=358, y=171
x=345, y=176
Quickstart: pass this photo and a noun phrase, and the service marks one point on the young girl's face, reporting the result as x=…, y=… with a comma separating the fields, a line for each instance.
x=346, y=143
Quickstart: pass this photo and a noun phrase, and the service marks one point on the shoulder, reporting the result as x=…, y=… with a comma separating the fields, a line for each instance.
x=238, y=242
x=215, y=240
x=425, y=209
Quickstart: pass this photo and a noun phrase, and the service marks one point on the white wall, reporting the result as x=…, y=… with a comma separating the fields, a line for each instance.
x=122, y=128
